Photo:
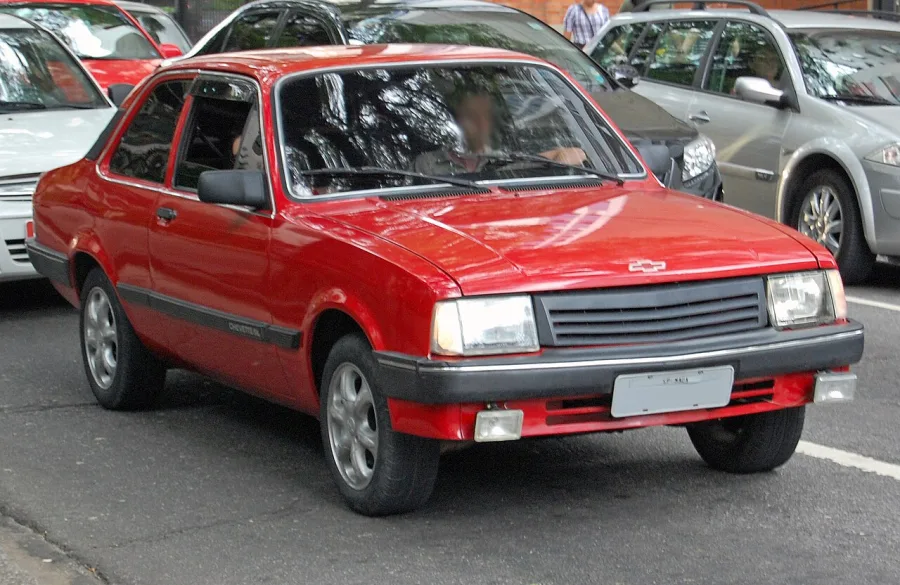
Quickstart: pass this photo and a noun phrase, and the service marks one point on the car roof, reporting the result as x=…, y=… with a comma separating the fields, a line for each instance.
x=273, y=63
x=349, y=6
x=33, y=2
x=789, y=19
x=139, y=7
x=805, y=19
x=11, y=21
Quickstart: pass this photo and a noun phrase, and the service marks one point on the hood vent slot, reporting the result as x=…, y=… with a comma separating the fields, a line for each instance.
x=553, y=185
x=433, y=194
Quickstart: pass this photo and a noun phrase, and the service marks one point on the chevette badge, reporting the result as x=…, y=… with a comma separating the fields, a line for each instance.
x=646, y=266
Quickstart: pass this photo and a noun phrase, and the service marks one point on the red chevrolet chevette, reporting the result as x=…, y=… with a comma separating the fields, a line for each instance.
x=426, y=244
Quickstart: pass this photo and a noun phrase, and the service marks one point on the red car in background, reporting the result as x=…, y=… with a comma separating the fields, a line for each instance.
x=113, y=46
x=422, y=244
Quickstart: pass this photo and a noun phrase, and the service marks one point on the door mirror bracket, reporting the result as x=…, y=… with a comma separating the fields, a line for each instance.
x=234, y=187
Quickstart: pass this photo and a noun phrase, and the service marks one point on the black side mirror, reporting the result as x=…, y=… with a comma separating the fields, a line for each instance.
x=625, y=74
x=118, y=92
x=657, y=158
x=237, y=187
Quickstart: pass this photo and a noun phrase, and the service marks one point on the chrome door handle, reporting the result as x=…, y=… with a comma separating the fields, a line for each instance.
x=166, y=213
x=699, y=117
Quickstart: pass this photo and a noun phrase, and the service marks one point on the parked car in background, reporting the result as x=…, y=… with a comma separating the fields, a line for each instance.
x=293, y=23
x=112, y=45
x=803, y=105
x=51, y=112
x=159, y=24
x=421, y=243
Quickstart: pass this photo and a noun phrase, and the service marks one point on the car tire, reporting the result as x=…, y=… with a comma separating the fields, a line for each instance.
x=121, y=371
x=751, y=443
x=854, y=258
x=378, y=471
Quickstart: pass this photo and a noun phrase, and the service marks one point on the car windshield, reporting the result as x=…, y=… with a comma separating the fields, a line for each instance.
x=859, y=65
x=91, y=31
x=467, y=123
x=36, y=73
x=163, y=29
x=513, y=31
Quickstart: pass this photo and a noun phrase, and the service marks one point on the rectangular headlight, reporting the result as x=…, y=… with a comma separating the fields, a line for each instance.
x=805, y=298
x=486, y=325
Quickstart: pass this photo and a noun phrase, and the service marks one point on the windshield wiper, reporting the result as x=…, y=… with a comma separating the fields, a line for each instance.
x=860, y=99
x=514, y=157
x=370, y=171
x=13, y=106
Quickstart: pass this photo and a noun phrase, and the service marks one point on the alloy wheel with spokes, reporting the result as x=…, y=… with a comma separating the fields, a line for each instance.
x=822, y=218
x=101, y=340
x=352, y=426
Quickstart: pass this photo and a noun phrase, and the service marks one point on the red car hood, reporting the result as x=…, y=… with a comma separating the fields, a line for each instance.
x=110, y=72
x=577, y=239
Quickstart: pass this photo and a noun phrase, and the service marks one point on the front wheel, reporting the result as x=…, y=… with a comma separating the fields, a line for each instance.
x=750, y=443
x=829, y=214
x=378, y=471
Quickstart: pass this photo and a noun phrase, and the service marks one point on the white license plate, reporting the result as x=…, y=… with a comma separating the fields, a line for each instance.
x=641, y=394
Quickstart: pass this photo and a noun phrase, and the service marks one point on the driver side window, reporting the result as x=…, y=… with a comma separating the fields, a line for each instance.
x=745, y=50
x=616, y=45
x=221, y=133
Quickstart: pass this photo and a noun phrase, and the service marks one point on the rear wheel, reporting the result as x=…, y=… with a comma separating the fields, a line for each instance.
x=122, y=373
x=750, y=443
x=377, y=470
x=829, y=214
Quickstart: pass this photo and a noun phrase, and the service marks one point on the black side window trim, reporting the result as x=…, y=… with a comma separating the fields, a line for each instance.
x=97, y=149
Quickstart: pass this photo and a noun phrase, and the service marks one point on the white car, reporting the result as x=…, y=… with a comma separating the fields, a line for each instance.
x=51, y=113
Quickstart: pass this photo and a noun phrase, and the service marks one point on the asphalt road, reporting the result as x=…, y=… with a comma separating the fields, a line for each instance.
x=218, y=488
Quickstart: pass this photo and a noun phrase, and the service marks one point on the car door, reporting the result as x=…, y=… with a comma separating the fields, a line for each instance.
x=209, y=263
x=747, y=135
x=132, y=177
x=669, y=58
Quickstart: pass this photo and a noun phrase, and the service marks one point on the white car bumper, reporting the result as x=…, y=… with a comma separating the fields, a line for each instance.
x=14, y=263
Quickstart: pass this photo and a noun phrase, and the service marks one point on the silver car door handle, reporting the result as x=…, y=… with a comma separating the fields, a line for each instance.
x=699, y=117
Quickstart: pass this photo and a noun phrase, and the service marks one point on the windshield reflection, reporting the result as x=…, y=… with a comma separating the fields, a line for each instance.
x=91, y=31
x=471, y=123
x=36, y=73
x=862, y=66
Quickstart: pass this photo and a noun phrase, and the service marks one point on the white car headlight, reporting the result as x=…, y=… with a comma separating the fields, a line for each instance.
x=889, y=155
x=806, y=298
x=699, y=156
x=486, y=325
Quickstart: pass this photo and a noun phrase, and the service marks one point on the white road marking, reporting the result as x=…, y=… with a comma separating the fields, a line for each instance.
x=848, y=459
x=870, y=303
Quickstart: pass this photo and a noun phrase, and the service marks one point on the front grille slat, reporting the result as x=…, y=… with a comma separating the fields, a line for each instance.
x=662, y=314
x=651, y=314
x=17, y=250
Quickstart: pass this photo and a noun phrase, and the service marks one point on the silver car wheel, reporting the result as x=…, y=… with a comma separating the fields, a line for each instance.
x=352, y=426
x=821, y=217
x=101, y=345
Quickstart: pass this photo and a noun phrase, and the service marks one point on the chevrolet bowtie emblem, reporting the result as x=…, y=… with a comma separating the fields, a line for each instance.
x=646, y=266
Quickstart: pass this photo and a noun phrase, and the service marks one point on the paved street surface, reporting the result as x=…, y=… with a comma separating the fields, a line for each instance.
x=218, y=488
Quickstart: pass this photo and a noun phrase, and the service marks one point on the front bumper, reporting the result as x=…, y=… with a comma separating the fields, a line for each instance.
x=14, y=263
x=561, y=373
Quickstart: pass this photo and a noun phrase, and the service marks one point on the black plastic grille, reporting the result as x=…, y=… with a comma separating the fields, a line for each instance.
x=651, y=314
x=17, y=250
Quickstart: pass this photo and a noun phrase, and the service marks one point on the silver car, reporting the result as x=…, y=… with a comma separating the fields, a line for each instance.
x=803, y=106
